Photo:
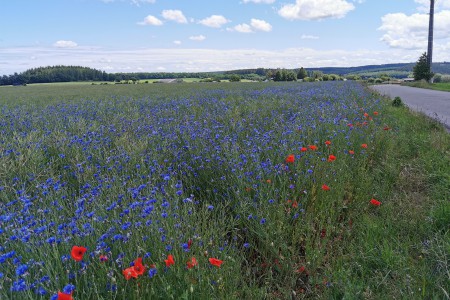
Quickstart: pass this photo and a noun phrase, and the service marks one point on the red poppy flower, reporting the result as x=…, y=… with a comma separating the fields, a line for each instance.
x=303, y=149
x=386, y=128
x=364, y=146
x=312, y=147
x=189, y=244
x=350, y=125
x=192, y=263
x=331, y=157
x=129, y=273
x=138, y=267
x=169, y=261
x=78, y=252
x=325, y=187
x=290, y=158
x=215, y=262
x=375, y=202
x=64, y=296
x=366, y=115
x=375, y=113
x=351, y=152
x=328, y=143
x=103, y=258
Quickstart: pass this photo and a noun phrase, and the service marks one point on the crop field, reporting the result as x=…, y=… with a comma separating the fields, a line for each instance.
x=220, y=191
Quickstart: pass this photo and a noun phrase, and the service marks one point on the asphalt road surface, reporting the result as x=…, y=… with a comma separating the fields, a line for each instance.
x=435, y=104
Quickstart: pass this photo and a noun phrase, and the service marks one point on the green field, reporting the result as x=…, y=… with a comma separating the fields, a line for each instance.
x=441, y=86
x=256, y=190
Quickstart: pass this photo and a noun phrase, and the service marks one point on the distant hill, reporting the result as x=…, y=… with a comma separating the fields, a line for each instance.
x=393, y=70
x=77, y=73
x=399, y=70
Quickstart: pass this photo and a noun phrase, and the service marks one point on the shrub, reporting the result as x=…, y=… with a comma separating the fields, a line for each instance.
x=397, y=102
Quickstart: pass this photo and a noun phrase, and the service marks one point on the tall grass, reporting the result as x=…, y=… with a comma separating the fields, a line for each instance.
x=222, y=172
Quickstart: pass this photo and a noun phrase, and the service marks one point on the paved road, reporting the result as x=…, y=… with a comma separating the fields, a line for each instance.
x=435, y=104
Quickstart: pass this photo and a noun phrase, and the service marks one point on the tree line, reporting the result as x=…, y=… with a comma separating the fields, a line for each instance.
x=77, y=73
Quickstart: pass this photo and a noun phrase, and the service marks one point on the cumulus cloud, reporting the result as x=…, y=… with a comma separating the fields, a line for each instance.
x=411, y=31
x=309, y=37
x=177, y=42
x=316, y=9
x=198, y=38
x=255, y=25
x=65, y=44
x=260, y=25
x=242, y=28
x=151, y=20
x=215, y=21
x=174, y=15
x=260, y=1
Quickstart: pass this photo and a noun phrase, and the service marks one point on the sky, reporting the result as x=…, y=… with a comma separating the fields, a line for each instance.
x=214, y=35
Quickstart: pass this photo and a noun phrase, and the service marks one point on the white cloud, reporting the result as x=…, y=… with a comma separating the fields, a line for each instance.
x=261, y=25
x=309, y=37
x=438, y=5
x=255, y=25
x=411, y=31
x=242, y=28
x=174, y=15
x=260, y=1
x=65, y=44
x=316, y=9
x=177, y=42
x=215, y=21
x=186, y=60
x=151, y=20
x=197, y=38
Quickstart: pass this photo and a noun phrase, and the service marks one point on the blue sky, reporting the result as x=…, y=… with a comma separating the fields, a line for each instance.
x=201, y=35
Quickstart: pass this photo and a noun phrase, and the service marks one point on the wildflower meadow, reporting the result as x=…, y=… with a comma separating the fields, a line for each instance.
x=213, y=191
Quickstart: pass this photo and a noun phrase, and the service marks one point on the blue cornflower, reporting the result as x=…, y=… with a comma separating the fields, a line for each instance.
x=68, y=289
x=22, y=269
x=40, y=291
x=152, y=272
x=210, y=207
x=263, y=221
x=19, y=285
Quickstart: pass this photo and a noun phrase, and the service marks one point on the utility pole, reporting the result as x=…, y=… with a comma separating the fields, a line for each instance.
x=430, y=35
